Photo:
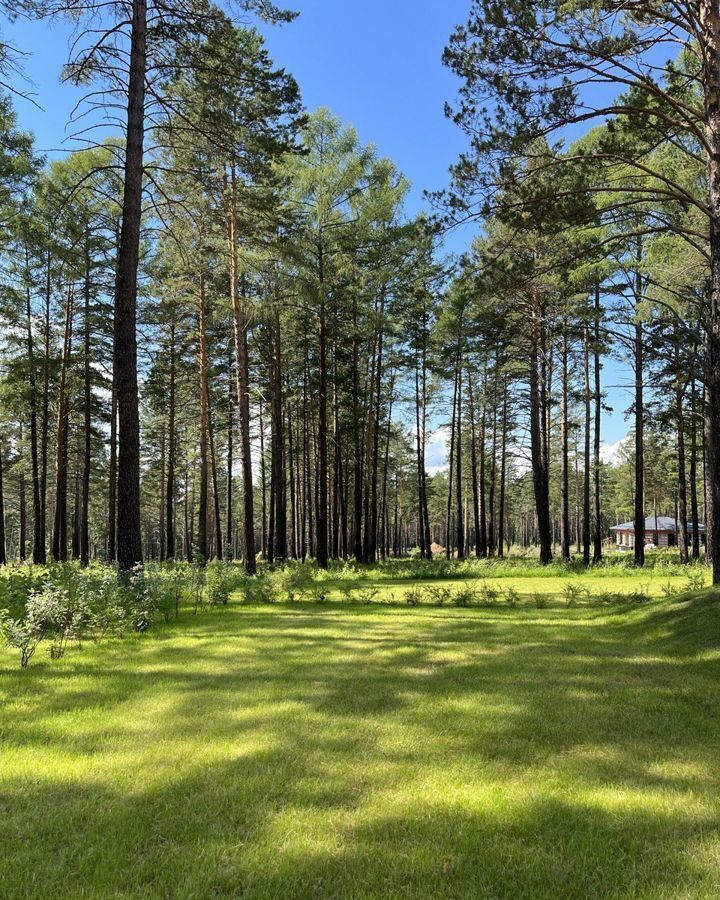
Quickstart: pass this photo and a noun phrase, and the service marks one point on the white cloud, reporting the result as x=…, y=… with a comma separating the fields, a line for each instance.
x=437, y=450
x=610, y=453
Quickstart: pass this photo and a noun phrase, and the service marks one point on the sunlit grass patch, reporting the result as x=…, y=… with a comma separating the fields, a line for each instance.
x=353, y=751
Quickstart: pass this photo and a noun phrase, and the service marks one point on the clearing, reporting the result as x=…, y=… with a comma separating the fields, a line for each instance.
x=347, y=751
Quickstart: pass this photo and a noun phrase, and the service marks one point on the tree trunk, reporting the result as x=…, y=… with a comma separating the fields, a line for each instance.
x=694, y=514
x=59, y=543
x=451, y=464
x=87, y=450
x=538, y=438
x=263, y=486
x=161, y=497
x=564, y=448
x=483, y=540
x=277, y=472
x=682, y=483
x=639, y=515
x=293, y=493
x=358, y=445
x=23, y=506
x=45, y=419
x=38, y=535
x=321, y=550
x=597, y=548
x=129, y=544
x=170, y=484
x=202, y=540
x=229, y=464
x=503, y=469
x=586, y=474
x=710, y=22
x=492, y=545
x=3, y=551
x=420, y=427
x=473, y=465
x=459, y=514
x=112, y=479
x=242, y=376
x=384, y=519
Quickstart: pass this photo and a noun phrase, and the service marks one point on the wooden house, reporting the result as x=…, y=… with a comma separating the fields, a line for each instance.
x=660, y=531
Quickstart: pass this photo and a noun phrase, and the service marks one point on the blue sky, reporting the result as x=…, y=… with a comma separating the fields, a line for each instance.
x=375, y=64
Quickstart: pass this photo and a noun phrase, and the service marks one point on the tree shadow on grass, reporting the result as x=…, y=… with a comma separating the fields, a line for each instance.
x=332, y=756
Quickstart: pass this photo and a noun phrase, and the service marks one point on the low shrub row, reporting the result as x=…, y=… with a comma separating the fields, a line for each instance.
x=63, y=604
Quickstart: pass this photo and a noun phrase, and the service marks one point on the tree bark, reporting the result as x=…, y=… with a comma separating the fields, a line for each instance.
x=59, y=542
x=710, y=23
x=597, y=548
x=202, y=539
x=38, y=535
x=459, y=513
x=112, y=479
x=23, y=506
x=451, y=465
x=639, y=515
x=3, y=550
x=87, y=449
x=564, y=450
x=503, y=469
x=277, y=472
x=586, y=473
x=682, y=482
x=170, y=484
x=538, y=438
x=473, y=465
x=129, y=543
x=321, y=550
x=242, y=377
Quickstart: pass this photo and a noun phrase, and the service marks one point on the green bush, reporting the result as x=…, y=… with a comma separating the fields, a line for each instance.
x=574, y=593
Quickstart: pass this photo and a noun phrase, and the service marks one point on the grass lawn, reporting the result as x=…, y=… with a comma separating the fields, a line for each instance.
x=371, y=752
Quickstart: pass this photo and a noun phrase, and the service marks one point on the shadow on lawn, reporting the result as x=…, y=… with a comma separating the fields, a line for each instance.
x=479, y=758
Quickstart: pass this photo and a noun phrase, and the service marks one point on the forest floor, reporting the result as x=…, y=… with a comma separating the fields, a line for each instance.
x=372, y=751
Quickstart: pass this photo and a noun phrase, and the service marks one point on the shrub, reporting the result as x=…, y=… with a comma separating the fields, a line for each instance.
x=221, y=580
x=295, y=580
x=53, y=611
x=366, y=595
x=159, y=591
x=488, y=594
x=440, y=595
x=541, y=600
x=640, y=595
x=512, y=597
x=319, y=593
x=414, y=596
x=574, y=593
x=259, y=588
x=694, y=581
x=196, y=581
x=465, y=596
x=347, y=594
x=16, y=585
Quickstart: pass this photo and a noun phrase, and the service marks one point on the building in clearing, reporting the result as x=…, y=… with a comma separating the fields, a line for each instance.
x=660, y=531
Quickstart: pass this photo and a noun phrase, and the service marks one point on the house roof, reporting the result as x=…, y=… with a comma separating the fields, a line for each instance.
x=661, y=523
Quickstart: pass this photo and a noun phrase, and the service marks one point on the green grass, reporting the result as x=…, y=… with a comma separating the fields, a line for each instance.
x=340, y=751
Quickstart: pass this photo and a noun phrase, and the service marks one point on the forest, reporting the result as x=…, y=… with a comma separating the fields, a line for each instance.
x=291, y=337
x=255, y=399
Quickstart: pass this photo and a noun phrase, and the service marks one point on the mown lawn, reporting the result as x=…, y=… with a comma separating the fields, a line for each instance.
x=344, y=751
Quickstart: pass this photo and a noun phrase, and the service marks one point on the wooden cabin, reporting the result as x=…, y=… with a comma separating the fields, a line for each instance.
x=660, y=531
